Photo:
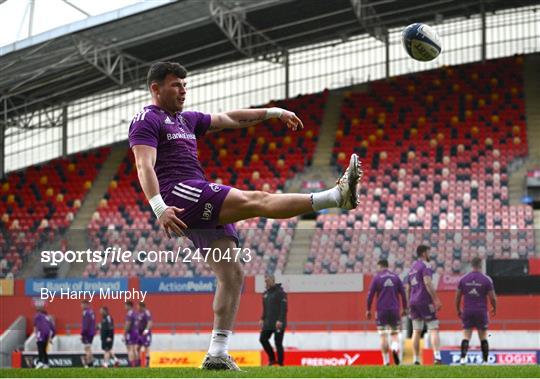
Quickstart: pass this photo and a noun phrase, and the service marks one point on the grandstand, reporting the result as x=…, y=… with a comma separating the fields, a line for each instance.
x=446, y=148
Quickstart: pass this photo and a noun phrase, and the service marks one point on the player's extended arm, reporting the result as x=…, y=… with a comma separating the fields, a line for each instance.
x=403, y=298
x=432, y=292
x=371, y=294
x=493, y=301
x=243, y=118
x=148, y=327
x=127, y=326
x=458, y=302
x=407, y=293
x=145, y=159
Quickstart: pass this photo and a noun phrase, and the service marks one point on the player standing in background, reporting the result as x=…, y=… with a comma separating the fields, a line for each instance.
x=106, y=328
x=131, y=337
x=88, y=331
x=423, y=303
x=388, y=288
x=164, y=142
x=44, y=332
x=475, y=287
x=144, y=326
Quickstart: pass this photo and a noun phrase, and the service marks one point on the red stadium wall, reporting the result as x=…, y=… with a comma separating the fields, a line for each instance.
x=315, y=307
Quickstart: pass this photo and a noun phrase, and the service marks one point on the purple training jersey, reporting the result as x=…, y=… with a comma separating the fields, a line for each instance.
x=142, y=320
x=177, y=158
x=132, y=336
x=44, y=327
x=88, y=323
x=419, y=294
x=388, y=287
x=475, y=286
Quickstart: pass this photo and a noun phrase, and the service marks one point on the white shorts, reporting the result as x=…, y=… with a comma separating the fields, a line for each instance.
x=419, y=324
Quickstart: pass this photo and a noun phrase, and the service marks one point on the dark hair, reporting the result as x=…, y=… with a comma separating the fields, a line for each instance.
x=105, y=309
x=159, y=70
x=85, y=301
x=129, y=303
x=383, y=263
x=142, y=304
x=476, y=262
x=421, y=250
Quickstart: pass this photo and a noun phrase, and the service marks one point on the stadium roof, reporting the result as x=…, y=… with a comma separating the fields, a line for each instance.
x=114, y=50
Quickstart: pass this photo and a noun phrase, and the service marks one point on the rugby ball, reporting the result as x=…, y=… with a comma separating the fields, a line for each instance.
x=421, y=42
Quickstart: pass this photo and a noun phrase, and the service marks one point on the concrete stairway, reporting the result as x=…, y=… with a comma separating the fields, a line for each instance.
x=532, y=105
x=76, y=235
x=300, y=247
x=319, y=170
x=516, y=182
x=537, y=233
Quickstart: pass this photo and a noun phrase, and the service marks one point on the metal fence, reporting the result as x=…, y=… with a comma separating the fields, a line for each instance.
x=104, y=119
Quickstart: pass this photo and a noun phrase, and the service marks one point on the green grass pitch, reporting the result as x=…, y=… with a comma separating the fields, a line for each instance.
x=291, y=372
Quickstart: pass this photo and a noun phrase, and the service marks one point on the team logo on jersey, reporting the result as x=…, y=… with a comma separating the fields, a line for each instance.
x=474, y=292
x=414, y=281
x=181, y=120
x=215, y=187
x=388, y=283
x=168, y=121
x=207, y=212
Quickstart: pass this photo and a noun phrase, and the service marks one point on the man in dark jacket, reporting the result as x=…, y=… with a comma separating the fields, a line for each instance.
x=106, y=328
x=274, y=319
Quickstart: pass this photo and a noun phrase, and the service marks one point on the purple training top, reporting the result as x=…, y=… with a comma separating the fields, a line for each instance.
x=419, y=293
x=44, y=326
x=177, y=158
x=88, y=323
x=475, y=287
x=131, y=317
x=142, y=320
x=388, y=287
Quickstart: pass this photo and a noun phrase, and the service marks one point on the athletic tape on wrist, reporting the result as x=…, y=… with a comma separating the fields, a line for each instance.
x=273, y=113
x=158, y=205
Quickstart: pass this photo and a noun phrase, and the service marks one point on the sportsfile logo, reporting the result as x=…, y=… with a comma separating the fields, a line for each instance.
x=345, y=360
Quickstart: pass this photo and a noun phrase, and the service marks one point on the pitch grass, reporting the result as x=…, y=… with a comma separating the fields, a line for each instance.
x=289, y=372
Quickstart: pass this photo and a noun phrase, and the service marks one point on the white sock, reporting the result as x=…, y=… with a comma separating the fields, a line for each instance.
x=415, y=358
x=219, y=343
x=386, y=358
x=326, y=199
x=394, y=346
x=437, y=355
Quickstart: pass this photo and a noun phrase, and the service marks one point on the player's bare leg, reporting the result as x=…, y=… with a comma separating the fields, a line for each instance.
x=394, y=346
x=230, y=278
x=385, y=348
x=484, y=345
x=106, y=359
x=242, y=205
x=435, y=345
x=417, y=334
x=467, y=334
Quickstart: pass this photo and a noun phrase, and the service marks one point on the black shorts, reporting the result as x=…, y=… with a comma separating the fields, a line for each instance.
x=107, y=345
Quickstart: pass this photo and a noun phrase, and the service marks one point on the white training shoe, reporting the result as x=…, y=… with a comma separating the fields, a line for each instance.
x=348, y=182
x=463, y=361
x=225, y=362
